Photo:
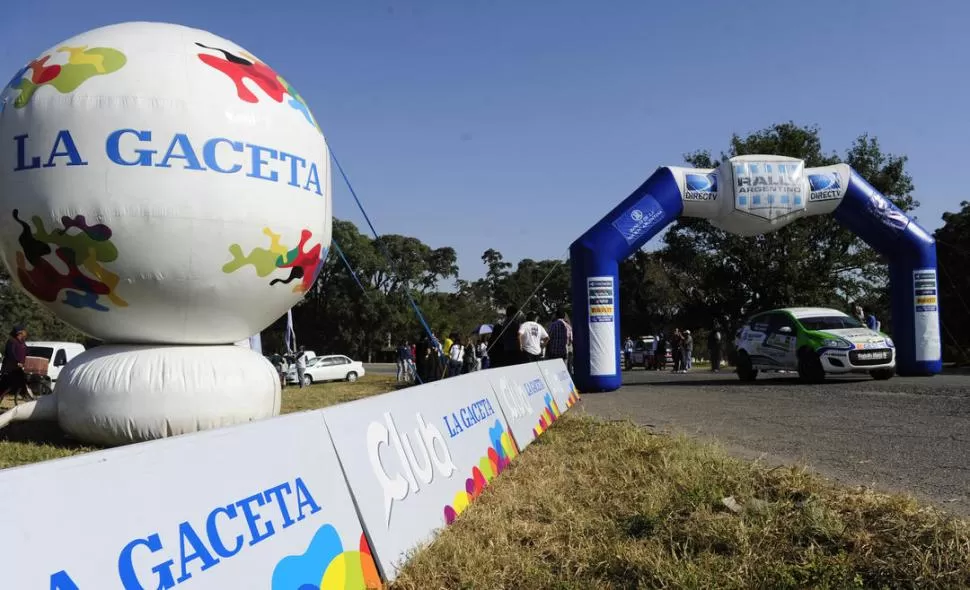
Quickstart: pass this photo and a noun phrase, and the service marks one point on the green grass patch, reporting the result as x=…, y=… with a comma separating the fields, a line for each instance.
x=596, y=504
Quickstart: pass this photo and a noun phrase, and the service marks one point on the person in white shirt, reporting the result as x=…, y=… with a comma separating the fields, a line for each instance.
x=532, y=339
x=455, y=356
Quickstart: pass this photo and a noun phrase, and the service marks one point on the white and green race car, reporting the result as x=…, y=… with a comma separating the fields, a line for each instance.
x=814, y=341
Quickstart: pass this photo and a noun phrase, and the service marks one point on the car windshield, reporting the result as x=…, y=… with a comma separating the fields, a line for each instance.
x=830, y=322
x=40, y=351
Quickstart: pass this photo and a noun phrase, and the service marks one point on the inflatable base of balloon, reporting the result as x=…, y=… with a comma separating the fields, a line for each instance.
x=120, y=394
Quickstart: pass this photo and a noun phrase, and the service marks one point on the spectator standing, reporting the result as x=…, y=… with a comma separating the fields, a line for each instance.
x=714, y=349
x=469, y=359
x=560, y=338
x=662, y=351
x=688, y=351
x=871, y=322
x=628, y=351
x=404, y=360
x=455, y=355
x=12, y=377
x=421, y=357
x=532, y=338
x=677, y=349
x=858, y=312
x=483, y=354
x=301, y=366
x=505, y=349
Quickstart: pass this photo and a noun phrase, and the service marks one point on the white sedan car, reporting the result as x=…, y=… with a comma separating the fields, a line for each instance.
x=329, y=367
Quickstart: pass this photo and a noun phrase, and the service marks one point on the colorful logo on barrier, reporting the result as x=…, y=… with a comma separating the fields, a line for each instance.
x=573, y=396
x=78, y=246
x=82, y=64
x=326, y=566
x=303, y=264
x=549, y=415
x=248, y=67
x=499, y=455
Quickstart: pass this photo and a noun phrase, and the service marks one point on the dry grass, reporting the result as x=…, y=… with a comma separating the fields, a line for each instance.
x=608, y=505
x=320, y=395
x=29, y=442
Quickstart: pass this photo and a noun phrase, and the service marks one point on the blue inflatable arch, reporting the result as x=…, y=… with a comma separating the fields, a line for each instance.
x=750, y=195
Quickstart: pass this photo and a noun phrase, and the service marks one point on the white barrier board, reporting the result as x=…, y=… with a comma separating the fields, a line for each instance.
x=560, y=382
x=263, y=505
x=529, y=406
x=415, y=458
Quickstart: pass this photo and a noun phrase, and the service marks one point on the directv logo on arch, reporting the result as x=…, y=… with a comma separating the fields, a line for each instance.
x=701, y=187
x=825, y=186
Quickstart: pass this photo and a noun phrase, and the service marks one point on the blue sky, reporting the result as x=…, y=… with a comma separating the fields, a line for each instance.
x=517, y=125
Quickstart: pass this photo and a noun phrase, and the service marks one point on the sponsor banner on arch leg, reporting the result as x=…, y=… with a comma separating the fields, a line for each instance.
x=416, y=458
x=263, y=505
x=560, y=383
x=529, y=405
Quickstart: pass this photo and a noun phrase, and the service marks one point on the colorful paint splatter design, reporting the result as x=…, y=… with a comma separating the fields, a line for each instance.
x=246, y=67
x=82, y=65
x=549, y=415
x=83, y=249
x=573, y=395
x=326, y=566
x=499, y=455
x=303, y=264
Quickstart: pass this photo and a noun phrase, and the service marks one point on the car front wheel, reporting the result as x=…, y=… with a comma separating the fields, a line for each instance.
x=746, y=371
x=351, y=376
x=307, y=380
x=883, y=374
x=810, y=368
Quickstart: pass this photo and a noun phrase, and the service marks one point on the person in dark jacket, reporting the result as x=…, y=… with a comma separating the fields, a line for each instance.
x=12, y=377
x=714, y=349
x=509, y=341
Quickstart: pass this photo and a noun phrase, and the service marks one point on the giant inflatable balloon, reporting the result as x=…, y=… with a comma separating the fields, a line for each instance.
x=161, y=187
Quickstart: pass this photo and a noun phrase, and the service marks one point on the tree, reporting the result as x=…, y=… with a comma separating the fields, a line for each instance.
x=649, y=298
x=17, y=308
x=545, y=281
x=813, y=261
x=355, y=312
x=953, y=257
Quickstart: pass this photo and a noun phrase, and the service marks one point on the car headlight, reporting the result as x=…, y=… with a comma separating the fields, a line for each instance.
x=889, y=342
x=836, y=343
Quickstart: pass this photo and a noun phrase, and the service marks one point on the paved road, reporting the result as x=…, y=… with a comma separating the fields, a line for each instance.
x=906, y=434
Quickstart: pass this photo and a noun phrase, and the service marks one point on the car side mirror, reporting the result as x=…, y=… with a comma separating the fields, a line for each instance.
x=784, y=330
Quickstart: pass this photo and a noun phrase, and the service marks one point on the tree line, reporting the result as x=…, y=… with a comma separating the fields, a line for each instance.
x=700, y=276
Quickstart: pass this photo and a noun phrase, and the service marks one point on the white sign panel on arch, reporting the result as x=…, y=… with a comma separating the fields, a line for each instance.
x=927, y=321
x=529, y=405
x=263, y=505
x=416, y=458
x=600, y=293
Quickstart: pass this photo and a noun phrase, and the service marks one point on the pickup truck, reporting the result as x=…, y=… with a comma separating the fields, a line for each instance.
x=643, y=354
x=46, y=360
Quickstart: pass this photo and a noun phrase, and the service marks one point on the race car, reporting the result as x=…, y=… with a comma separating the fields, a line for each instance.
x=815, y=341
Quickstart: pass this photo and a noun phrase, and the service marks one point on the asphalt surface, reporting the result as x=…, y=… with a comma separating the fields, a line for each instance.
x=906, y=434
